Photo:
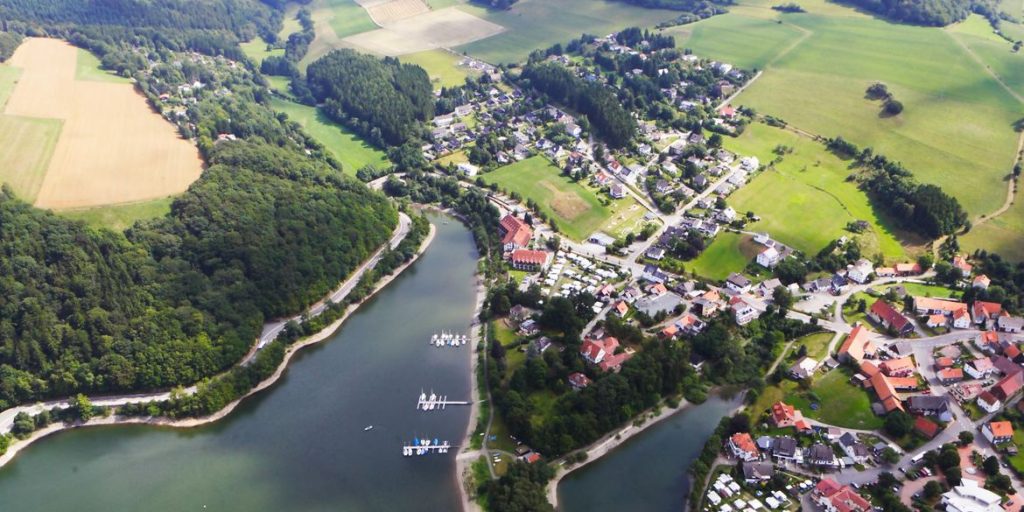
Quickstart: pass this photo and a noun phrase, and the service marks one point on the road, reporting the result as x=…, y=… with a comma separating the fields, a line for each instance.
x=270, y=331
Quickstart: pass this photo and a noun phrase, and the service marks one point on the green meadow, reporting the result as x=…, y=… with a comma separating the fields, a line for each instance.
x=804, y=201
x=121, y=216
x=538, y=24
x=88, y=68
x=576, y=208
x=347, y=147
x=957, y=119
x=442, y=66
x=257, y=50
x=728, y=253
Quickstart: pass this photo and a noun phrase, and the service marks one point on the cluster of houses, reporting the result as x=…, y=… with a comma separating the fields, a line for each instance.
x=173, y=99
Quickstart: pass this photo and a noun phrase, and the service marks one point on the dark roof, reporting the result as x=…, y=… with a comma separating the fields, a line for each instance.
x=757, y=470
x=784, y=446
x=820, y=453
x=927, y=403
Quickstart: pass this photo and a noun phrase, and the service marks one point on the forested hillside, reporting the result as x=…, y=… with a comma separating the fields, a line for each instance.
x=383, y=100
x=924, y=12
x=270, y=227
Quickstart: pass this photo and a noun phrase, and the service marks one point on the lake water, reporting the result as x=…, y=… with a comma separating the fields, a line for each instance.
x=649, y=472
x=299, y=446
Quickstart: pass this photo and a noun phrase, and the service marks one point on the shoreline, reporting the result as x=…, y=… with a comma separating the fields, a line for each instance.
x=463, y=465
x=18, y=445
x=606, y=444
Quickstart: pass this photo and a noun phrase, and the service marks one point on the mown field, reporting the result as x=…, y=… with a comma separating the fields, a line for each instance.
x=728, y=253
x=805, y=201
x=257, y=50
x=122, y=216
x=442, y=66
x=576, y=209
x=538, y=24
x=332, y=21
x=956, y=122
x=347, y=147
x=88, y=68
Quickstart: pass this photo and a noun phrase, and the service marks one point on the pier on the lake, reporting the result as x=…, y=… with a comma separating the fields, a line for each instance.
x=425, y=447
x=434, y=402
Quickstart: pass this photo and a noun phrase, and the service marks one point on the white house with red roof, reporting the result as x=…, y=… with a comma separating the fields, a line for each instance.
x=515, y=233
x=603, y=353
x=743, y=447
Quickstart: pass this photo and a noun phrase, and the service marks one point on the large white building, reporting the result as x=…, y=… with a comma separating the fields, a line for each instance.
x=969, y=497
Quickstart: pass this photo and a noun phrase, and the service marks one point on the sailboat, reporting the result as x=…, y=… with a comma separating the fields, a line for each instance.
x=368, y=428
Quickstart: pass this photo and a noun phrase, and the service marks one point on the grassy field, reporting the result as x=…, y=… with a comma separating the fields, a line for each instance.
x=575, y=208
x=538, y=24
x=839, y=403
x=817, y=345
x=346, y=17
x=810, y=179
x=346, y=146
x=442, y=66
x=257, y=50
x=88, y=68
x=752, y=43
x=25, y=168
x=8, y=80
x=728, y=253
x=122, y=216
x=923, y=290
x=957, y=119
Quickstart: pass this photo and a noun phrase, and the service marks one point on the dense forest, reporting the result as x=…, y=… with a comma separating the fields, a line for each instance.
x=383, y=100
x=270, y=226
x=677, y=5
x=924, y=209
x=609, y=119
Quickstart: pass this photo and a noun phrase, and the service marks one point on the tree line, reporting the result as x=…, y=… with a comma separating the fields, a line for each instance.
x=922, y=208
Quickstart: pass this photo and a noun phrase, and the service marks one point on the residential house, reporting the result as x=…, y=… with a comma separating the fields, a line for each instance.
x=960, y=263
x=743, y=311
x=885, y=388
x=704, y=307
x=620, y=308
x=578, y=381
x=617, y=191
x=767, y=288
x=998, y=432
x=901, y=367
x=1009, y=385
x=988, y=402
x=856, y=450
x=738, y=283
x=655, y=253
x=887, y=316
x=529, y=327
x=467, y=169
x=803, y=368
x=833, y=497
x=787, y=449
x=754, y=472
x=690, y=324
x=908, y=269
x=980, y=368
x=519, y=312
x=820, y=455
x=653, y=274
x=743, y=447
x=926, y=427
x=950, y=375
x=784, y=415
x=769, y=257
x=857, y=346
x=860, y=272
x=984, y=313
x=1011, y=324
x=604, y=353
x=981, y=282
x=929, y=405
x=969, y=496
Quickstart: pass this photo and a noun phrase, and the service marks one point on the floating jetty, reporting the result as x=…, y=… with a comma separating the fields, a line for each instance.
x=425, y=447
x=434, y=402
x=448, y=339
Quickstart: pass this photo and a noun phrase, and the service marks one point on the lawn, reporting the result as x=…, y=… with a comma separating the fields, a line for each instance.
x=752, y=43
x=257, y=50
x=810, y=179
x=957, y=119
x=817, y=344
x=728, y=253
x=28, y=147
x=575, y=208
x=538, y=24
x=850, y=313
x=1017, y=461
x=839, y=403
x=88, y=68
x=120, y=217
x=922, y=290
x=442, y=66
x=347, y=147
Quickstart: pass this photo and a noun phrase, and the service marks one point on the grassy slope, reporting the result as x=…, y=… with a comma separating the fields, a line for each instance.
x=257, y=50
x=532, y=177
x=88, y=68
x=810, y=180
x=120, y=217
x=723, y=257
x=348, y=18
x=442, y=66
x=346, y=146
x=751, y=43
x=8, y=79
x=30, y=143
x=535, y=24
x=956, y=119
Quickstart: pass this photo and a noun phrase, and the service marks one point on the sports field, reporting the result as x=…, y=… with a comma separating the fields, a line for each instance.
x=111, y=147
x=957, y=118
x=537, y=24
x=729, y=252
x=346, y=146
x=442, y=66
x=574, y=207
x=810, y=179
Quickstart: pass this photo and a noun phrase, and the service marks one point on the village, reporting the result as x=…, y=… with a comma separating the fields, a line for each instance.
x=949, y=366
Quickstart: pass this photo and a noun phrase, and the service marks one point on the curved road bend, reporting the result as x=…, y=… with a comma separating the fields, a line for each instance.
x=270, y=331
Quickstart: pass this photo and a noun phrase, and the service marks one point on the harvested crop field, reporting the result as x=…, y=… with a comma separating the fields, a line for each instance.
x=387, y=12
x=112, y=148
x=442, y=28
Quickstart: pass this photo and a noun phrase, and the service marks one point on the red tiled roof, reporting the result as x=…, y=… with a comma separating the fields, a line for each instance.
x=827, y=487
x=889, y=315
x=1008, y=386
x=900, y=365
x=579, y=380
x=944, y=362
x=987, y=309
x=847, y=500
x=744, y=442
x=529, y=257
x=857, y=344
x=943, y=305
x=926, y=427
x=908, y=268
x=868, y=368
x=1001, y=428
x=951, y=374
x=516, y=231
